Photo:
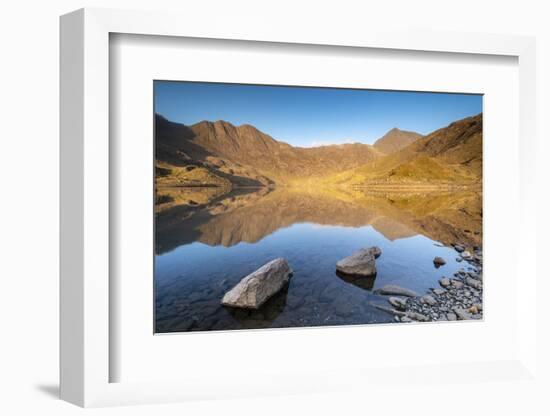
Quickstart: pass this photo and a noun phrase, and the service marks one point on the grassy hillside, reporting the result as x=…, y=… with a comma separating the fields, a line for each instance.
x=451, y=155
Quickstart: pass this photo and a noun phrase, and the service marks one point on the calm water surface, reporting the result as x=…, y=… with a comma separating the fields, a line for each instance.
x=208, y=241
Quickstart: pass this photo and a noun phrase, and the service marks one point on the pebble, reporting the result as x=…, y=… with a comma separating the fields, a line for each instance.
x=457, y=284
x=451, y=316
x=398, y=303
x=474, y=283
x=462, y=314
x=428, y=299
x=445, y=282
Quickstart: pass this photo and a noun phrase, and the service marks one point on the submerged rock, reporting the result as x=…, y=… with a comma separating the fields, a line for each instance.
x=428, y=299
x=256, y=288
x=398, y=303
x=439, y=261
x=360, y=263
x=395, y=290
x=388, y=309
x=459, y=248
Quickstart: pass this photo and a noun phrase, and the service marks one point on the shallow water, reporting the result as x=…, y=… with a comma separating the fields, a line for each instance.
x=203, y=250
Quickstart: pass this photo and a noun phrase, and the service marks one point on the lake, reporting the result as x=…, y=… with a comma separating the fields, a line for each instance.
x=208, y=239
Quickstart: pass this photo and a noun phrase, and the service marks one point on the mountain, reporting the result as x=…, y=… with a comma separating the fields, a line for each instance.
x=219, y=154
x=452, y=154
x=243, y=155
x=395, y=140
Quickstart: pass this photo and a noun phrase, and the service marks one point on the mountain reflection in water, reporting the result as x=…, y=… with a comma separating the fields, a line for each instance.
x=207, y=239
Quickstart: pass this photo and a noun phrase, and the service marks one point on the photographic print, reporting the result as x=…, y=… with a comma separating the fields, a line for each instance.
x=289, y=206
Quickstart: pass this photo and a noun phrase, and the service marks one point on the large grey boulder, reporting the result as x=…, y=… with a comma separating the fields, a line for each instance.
x=256, y=288
x=361, y=263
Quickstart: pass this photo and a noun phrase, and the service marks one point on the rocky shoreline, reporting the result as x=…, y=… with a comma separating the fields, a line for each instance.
x=459, y=297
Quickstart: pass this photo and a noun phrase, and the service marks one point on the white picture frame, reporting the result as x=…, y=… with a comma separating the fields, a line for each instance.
x=85, y=209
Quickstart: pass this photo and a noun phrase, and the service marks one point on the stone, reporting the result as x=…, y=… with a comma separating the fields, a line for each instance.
x=445, y=282
x=398, y=303
x=473, y=310
x=376, y=252
x=451, y=316
x=388, y=309
x=458, y=259
x=466, y=255
x=438, y=261
x=457, y=284
x=428, y=300
x=474, y=283
x=462, y=314
x=361, y=263
x=478, y=306
x=439, y=292
x=459, y=248
x=406, y=319
x=417, y=316
x=256, y=288
x=395, y=290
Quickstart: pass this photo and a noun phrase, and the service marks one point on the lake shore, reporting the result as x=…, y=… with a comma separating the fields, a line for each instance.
x=459, y=297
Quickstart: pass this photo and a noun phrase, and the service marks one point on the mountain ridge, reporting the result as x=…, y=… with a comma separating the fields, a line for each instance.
x=218, y=153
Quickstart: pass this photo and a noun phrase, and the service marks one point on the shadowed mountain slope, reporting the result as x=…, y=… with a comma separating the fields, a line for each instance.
x=243, y=153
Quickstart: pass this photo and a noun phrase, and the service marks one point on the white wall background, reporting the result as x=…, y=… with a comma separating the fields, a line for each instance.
x=29, y=175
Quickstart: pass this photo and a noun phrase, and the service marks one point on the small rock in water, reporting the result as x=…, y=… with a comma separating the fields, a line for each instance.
x=466, y=255
x=360, y=263
x=398, y=303
x=406, y=319
x=395, y=290
x=439, y=292
x=438, y=261
x=458, y=259
x=256, y=288
x=459, y=248
x=428, y=299
x=387, y=309
x=445, y=282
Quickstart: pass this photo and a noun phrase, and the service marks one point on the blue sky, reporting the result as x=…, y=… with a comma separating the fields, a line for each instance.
x=312, y=116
